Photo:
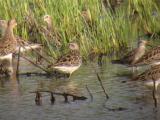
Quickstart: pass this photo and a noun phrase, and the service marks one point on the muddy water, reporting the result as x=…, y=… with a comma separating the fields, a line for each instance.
x=128, y=100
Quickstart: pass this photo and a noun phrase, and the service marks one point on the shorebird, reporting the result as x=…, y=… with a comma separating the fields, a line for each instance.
x=151, y=78
x=3, y=26
x=152, y=57
x=25, y=45
x=8, y=45
x=50, y=32
x=133, y=56
x=86, y=15
x=69, y=62
x=150, y=75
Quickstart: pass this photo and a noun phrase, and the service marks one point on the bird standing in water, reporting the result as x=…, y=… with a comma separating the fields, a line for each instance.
x=8, y=44
x=70, y=62
x=133, y=56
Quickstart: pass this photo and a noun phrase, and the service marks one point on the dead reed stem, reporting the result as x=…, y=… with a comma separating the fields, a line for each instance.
x=35, y=64
x=89, y=93
x=100, y=81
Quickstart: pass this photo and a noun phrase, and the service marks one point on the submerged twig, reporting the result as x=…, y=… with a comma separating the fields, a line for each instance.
x=38, y=99
x=99, y=79
x=34, y=73
x=65, y=95
x=52, y=98
x=89, y=93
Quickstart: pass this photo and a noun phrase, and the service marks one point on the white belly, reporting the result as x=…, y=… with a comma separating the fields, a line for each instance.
x=155, y=63
x=9, y=56
x=150, y=83
x=28, y=47
x=67, y=69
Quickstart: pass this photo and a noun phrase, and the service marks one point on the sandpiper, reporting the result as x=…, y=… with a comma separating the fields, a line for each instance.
x=86, y=15
x=69, y=62
x=133, y=56
x=25, y=45
x=152, y=57
x=8, y=45
x=50, y=32
x=150, y=75
x=151, y=78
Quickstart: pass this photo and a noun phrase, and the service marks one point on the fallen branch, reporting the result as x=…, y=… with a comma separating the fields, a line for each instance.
x=65, y=95
x=35, y=64
x=34, y=73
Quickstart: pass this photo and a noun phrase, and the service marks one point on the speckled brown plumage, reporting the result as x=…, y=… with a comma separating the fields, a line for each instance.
x=24, y=44
x=151, y=57
x=69, y=62
x=70, y=59
x=152, y=73
x=50, y=32
x=8, y=42
x=132, y=56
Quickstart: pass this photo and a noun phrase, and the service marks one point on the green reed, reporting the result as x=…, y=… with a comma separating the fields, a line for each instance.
x=107, y=31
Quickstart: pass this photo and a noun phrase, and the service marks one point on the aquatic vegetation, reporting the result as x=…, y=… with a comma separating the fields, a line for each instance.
x=97, y=25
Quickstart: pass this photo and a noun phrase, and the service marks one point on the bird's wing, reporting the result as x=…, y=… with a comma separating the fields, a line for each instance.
x=67, y=60
x=129, y=57
x=150, y=57
x=151, y=74
x=7, y=46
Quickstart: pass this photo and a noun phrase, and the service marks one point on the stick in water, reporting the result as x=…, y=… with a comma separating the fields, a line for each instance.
x=89, y=93
x=35, y=64
x=99, y=79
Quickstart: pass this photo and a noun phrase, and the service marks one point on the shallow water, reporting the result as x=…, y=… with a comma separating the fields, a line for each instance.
x=128, y=100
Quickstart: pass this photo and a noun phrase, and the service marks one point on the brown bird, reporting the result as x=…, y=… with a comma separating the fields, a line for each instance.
x=25, y=45
x=133, y=56
x=69, y=62
x=86, y=14
x=50, y=32
x=149, y=76
x=8, y=45
x=152, y=57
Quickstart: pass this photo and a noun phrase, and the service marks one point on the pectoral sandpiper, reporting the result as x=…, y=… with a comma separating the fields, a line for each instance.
x=69, y=62
x=152, y=57
x=133, y=56
x=150, y=75
x=50, y=32
x=25, y=45
x=8, y=46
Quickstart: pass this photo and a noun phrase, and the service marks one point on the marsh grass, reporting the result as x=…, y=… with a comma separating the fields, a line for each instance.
x=99, y=30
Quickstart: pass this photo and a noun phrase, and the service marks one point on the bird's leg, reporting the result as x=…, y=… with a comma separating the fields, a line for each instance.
x=9, y=67
x=136, y=68
x=133, y=69
x=155, y=86
x=69, y=76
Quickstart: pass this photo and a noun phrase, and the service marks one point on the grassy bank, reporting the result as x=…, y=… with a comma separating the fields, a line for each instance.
x=107, y=28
